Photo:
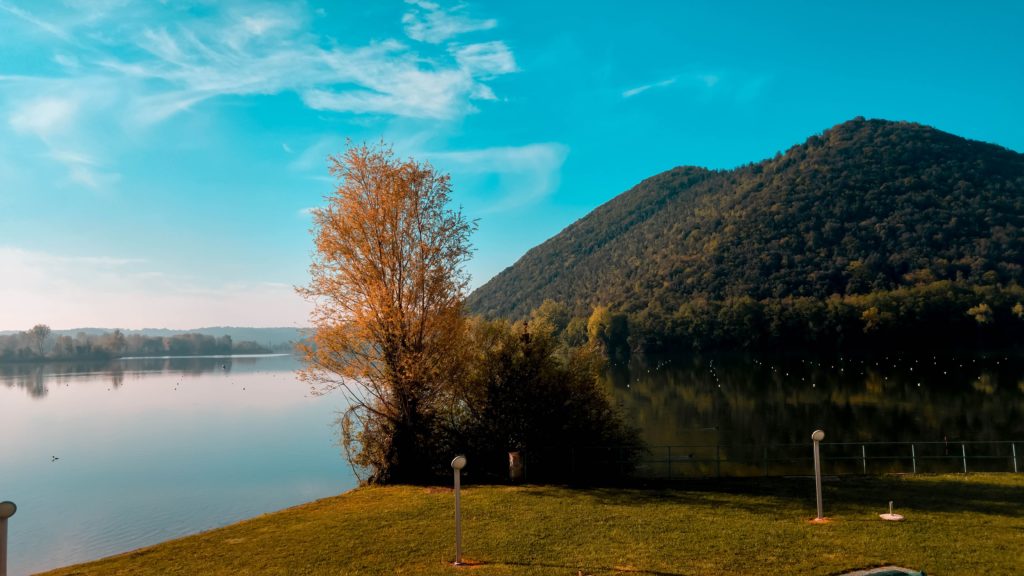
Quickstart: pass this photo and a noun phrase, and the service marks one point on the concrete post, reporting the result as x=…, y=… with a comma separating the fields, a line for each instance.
x=457, y=465
x=817, y=437
x=7, y=509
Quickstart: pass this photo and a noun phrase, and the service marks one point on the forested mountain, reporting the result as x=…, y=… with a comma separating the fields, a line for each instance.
x=867, y=207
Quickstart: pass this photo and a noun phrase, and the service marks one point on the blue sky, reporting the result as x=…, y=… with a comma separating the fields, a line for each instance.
x=158, y=159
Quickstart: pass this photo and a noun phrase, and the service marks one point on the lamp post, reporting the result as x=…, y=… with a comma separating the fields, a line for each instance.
x=7, y=509
x=458, y=463
x=817, y=436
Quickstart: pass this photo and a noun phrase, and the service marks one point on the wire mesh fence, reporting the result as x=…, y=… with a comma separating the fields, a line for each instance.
x=838, y=459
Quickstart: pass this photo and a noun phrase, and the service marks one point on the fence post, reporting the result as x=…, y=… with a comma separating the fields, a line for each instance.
x=963, y=451
x=864, y=459
x=1013, y=448
x=7, y=509
x=913, y=457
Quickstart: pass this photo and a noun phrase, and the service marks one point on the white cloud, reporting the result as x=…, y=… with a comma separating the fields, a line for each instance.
x=69, y=292
x=429, y=22
x=66, y=60
x=51, y=119
x=43, y=116
x=641, y=89
x=505, y=178
x=145, y=74
x=85, y=170
x=269, y=54
x=487, y=59
x=736, y=85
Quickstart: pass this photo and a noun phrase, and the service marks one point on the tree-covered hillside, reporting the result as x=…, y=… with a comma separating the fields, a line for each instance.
x=867, y=207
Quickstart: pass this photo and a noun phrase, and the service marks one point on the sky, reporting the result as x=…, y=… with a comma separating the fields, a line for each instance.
x=159, y=159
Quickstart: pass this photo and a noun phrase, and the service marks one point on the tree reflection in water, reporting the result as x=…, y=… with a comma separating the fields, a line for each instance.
x=36, y=378
x=748, y=400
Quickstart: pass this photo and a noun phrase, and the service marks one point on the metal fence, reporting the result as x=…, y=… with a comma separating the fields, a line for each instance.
x=838, y=458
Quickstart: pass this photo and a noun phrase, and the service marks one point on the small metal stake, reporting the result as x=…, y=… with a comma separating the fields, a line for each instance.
x=7, y=509
x=913, y=457
x=817, y=437
x=457, y=464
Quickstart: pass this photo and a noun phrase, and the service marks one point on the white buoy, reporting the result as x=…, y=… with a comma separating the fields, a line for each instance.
x=892, y=517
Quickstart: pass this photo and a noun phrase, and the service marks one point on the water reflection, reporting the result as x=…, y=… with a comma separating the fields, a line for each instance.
x=108, y=457
x=36, y=378
x=747, y=401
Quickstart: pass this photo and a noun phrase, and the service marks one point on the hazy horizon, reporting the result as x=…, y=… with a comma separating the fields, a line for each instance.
x=154, y=328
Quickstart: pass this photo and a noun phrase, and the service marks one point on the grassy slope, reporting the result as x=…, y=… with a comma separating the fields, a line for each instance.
x=955, y=525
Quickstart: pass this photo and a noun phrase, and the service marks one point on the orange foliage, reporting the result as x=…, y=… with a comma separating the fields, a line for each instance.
x=387, y=286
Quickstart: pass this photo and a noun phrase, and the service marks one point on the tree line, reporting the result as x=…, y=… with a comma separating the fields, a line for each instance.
x=40, y=344
x=934, y=316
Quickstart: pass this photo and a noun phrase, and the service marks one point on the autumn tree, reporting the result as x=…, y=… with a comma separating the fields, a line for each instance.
x=387, y=286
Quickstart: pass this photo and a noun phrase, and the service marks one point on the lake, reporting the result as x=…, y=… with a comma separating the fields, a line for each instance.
x=733, y=407
x=153, y=449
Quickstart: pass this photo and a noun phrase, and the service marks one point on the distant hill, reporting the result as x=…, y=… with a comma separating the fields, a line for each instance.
x=867, y=208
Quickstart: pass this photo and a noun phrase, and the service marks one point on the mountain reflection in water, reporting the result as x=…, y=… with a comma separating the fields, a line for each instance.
x=749, y=400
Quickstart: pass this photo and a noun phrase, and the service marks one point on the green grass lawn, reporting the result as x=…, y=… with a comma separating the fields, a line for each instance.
x=955, y=524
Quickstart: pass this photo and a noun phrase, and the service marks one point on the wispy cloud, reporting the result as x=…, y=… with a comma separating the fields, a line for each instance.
x=147, y=73
x=430, y=22
x=519, y=176
x=49, y=118
x=37, y=22
x=738, y=86
x=487, y=59
x=270, y=53
x=641, y=89
x=314, y=157
x=42, y=116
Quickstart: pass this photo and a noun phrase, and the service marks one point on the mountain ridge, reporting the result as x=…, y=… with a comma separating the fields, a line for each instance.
x=866, y=205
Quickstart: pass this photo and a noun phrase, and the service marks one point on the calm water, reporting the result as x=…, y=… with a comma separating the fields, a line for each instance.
x=152, y=449
x=742, y=401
